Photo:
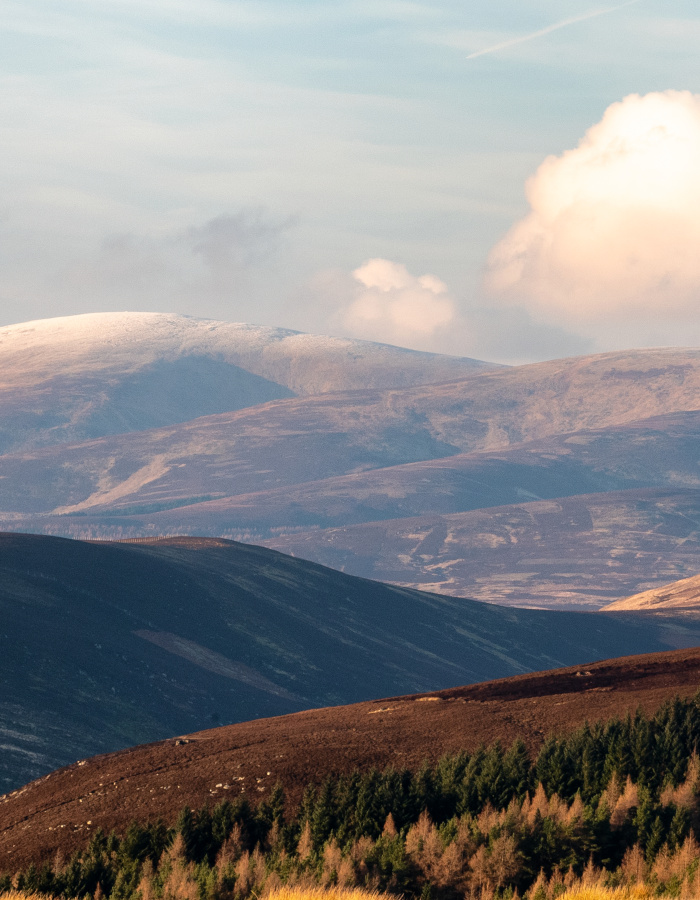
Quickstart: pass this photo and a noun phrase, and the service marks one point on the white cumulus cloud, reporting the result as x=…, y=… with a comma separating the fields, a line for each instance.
x=387, y=303
x=614, y=226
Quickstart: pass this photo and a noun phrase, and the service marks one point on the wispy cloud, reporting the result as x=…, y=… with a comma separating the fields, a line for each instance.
x=522, y=39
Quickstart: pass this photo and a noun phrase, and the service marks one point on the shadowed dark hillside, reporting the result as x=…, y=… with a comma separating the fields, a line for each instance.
x=106, y=645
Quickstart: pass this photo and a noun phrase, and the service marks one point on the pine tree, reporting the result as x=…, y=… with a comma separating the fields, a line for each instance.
x=322, y=818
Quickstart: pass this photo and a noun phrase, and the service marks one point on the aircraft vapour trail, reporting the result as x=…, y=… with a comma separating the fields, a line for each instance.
x=549, y=29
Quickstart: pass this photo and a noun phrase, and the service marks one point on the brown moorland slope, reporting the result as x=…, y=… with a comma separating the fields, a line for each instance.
x=561, y=553
x=156, y=780
x=656, y=452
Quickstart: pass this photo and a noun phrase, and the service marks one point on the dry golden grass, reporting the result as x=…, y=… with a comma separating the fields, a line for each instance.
x=319, y=893
x=630, y=892
x=22, y=895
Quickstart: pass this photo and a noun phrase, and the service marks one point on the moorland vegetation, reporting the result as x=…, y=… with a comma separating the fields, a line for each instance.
x=612, y=805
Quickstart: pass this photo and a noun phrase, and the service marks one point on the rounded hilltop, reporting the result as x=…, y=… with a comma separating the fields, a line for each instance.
x=120, y=342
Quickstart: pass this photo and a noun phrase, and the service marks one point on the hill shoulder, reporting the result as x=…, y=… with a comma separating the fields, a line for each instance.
x=681, y=596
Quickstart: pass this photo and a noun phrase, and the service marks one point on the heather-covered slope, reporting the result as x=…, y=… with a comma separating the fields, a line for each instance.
x=656, y=452
x=567, y=552
x=300, y=440
x=278, y=444
x=103, y=645
x=145, y=783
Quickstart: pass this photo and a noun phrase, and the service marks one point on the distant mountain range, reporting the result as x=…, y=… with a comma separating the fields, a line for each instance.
x=104, y=645
x=568, y=483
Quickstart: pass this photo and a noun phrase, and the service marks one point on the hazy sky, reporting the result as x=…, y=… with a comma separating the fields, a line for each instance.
x=511, y=180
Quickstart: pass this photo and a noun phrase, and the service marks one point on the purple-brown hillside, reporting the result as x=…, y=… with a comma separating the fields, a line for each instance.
x=61, y=810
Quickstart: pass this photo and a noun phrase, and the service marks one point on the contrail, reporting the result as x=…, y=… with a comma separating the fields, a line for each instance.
x=549, y=29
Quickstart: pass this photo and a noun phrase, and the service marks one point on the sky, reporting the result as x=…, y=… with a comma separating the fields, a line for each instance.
x=514, y=180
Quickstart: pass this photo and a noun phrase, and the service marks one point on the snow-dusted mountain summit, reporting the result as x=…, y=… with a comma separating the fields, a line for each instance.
x=79, y=377
x=127, y=341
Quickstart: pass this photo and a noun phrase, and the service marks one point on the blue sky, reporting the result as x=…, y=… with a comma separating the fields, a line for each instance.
x=240, y=160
